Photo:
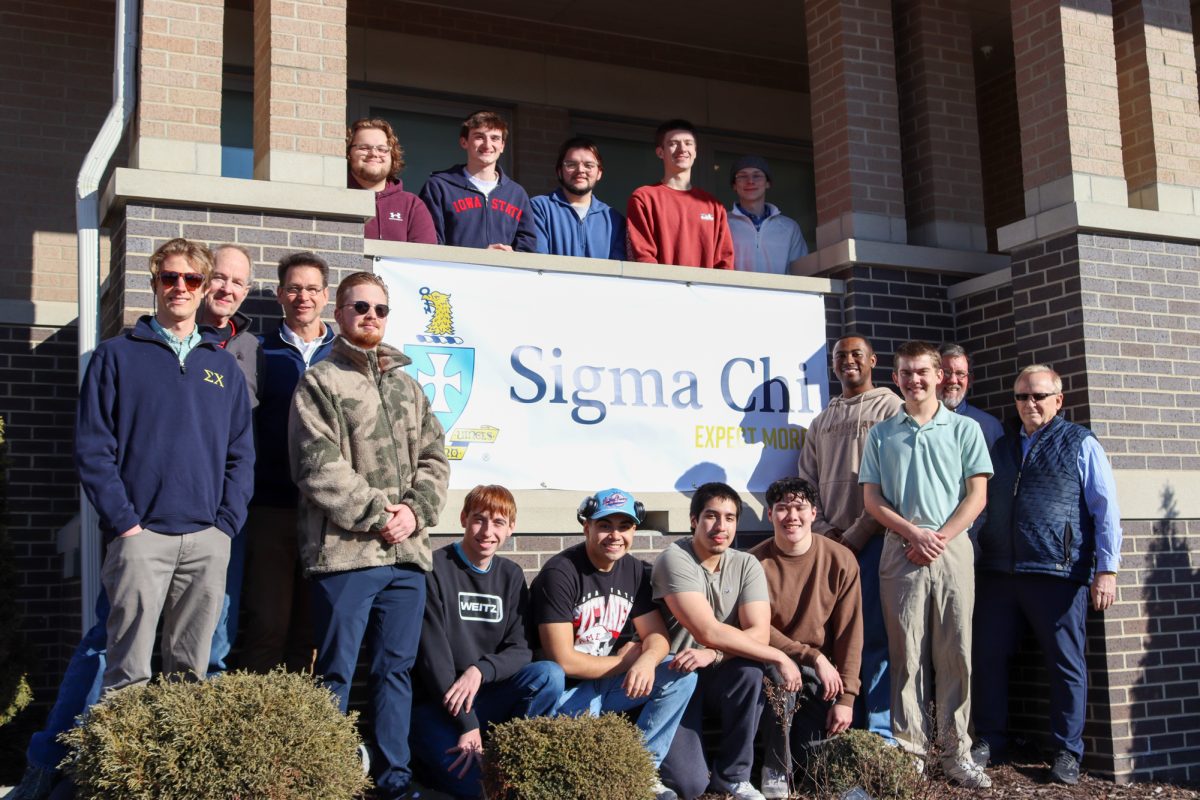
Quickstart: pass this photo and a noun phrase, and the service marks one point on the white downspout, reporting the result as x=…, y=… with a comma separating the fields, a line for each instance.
x=87, y=225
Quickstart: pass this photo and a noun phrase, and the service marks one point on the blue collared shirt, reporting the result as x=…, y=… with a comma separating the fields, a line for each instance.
x=992, y=429
x=1100, y=494
x=181, y=346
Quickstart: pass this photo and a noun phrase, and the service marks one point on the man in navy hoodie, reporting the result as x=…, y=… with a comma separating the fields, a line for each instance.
x=164, y=448
x=278, y=626
x=476, y=204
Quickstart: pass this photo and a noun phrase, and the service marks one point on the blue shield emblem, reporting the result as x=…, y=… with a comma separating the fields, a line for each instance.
x=446, y=374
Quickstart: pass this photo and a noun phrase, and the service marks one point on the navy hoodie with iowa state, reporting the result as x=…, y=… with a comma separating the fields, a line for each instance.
x=464, y=217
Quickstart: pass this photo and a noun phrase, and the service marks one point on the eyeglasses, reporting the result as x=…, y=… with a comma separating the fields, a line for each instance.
x=292, y=290
x=958, y=374
x=1036, y=397
x=362, y=307
x=192, y=280
x=582, y=166
x=381, y=149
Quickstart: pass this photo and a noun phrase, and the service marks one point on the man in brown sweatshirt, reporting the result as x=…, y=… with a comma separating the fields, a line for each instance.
x=833, y=448
x=816, y=618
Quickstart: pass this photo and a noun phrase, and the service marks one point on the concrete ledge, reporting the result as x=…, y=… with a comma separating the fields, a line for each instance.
x=600, y=266
x=271, y=197
x=1121, y=220
x=1142, y=493
x=47, y=313
x=852, y=252
x=981, y=284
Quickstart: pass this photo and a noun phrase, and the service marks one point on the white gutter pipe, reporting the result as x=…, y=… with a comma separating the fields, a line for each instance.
x=87, y=226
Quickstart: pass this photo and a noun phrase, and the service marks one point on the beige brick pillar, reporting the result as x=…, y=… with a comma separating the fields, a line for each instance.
x=1066, y=74
x=943, y=183
x=300, y=91
x=1160, y=116
x=178, y=127
x=856, y=128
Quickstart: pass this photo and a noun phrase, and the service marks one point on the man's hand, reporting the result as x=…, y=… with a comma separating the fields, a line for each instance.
x=400, y=526
x=461, y=694
x=831, y=679
x=469, y=749
x=498, y=246
x=924, y=546
x=1104, y=590
x=838, y=719
x=693, y=658
x=790, y=673
x=639, y=680
x=134, y=531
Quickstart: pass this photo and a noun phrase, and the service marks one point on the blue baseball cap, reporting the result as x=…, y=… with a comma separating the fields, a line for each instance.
x=616, y=501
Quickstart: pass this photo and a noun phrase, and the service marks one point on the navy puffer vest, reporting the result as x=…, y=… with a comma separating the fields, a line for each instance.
x=1037, y=519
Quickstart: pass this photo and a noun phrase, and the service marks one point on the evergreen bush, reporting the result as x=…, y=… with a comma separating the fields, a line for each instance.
x=15, y=693
x=857, y=758
x=238, y=736
x=568, y=758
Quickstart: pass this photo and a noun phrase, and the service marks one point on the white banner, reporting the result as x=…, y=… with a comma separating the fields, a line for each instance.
x=566, y=381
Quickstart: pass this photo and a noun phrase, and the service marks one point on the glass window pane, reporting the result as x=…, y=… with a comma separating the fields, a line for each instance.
x=237, y=134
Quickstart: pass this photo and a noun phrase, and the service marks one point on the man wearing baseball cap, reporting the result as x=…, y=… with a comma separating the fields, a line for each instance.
x=764, y=240
x=587, y=603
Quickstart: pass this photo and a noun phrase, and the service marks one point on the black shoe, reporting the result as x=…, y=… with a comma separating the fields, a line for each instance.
x=1065, y=769
x=981, y=753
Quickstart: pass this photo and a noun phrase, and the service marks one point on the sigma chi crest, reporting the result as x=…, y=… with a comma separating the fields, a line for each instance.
x=445, y=370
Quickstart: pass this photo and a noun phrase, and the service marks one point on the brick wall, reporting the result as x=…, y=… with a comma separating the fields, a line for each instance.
x=50, y=117
x=983, y=324
x=1000, y=151
x=179, y=95
x=539, y=131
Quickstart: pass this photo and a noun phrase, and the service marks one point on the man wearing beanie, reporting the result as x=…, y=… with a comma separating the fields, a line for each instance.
x=764, y=240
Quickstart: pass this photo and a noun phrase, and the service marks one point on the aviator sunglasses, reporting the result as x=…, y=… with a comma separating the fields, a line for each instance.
x=362, y=307
x=1037, y=397
x=193, y=280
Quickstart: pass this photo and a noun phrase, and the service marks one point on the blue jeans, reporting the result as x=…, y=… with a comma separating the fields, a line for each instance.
x=661, y=710
x=227, y=625
x=532, y=692
x=385, y=604
x=872, y=709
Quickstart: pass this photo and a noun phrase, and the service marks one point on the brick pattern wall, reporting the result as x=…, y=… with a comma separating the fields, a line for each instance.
x=179, y=83
x=938, y=128
x=539, y=132
x=983, y=324
x=50, y=118
x=1000, y=151
x=1066, y=89
x=300, y=77
x=1156, y=70
x=38, y=399
x=856, y=136
x=1127, y=311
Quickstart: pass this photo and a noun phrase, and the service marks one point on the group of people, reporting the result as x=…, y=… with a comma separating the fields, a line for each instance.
x=290, y=479
x=476, y=205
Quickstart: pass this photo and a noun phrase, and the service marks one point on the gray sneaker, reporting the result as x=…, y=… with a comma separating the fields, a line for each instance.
x=774, y=784
x=967, y=774
x=744, y=790
x=36, y=784
x=661, y=792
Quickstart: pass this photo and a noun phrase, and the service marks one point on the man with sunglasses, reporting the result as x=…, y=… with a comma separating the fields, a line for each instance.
x=367, y=454
x=1052, y=538
x=164, y=447
x=278, y=627
x=571, y=220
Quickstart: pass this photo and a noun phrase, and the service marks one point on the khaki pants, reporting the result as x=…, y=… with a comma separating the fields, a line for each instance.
x=180, y=577
x=928, y=615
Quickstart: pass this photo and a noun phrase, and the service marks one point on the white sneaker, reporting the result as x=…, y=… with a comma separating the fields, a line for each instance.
x=661, y=792
x=744, y=790
x=967, y=774
x=774, y=784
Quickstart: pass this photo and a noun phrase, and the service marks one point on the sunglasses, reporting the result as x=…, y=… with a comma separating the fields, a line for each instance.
x=193, y=280
x=362, y=307
x=1037, y=397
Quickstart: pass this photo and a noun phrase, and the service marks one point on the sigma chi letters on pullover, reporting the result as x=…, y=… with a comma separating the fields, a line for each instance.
x=464, y=217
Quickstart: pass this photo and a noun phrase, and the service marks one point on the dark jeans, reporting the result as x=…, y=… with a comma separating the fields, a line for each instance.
x=730, y=692
x=809, y=712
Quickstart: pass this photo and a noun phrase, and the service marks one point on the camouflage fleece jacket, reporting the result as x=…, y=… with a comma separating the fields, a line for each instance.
x=362, y=436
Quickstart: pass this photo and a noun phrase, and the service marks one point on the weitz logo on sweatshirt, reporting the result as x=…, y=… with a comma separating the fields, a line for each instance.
x=480, y=607
x=707, y=218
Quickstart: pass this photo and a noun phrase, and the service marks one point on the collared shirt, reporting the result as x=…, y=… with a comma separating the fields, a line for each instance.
x=181, y=346
x=992, y=429
x=1100, y=495
x=922, y=469
x=307, y=349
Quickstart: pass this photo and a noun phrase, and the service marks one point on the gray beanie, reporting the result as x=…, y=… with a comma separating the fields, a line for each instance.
x=757, y=162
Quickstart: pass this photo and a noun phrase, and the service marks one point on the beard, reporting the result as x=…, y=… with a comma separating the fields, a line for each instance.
x=580, y=192
x=953, y=401
x=371, y=173
x=366, y=339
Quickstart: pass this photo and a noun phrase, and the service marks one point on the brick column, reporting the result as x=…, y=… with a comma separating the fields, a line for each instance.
x=537, y=133
x=1067, y=96
x=856, y=128
x=943, y=185
x=1160, y=127
x=178, y=127
x=300, y=91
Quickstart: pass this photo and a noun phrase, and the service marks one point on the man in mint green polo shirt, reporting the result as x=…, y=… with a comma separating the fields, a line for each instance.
x=924, y=476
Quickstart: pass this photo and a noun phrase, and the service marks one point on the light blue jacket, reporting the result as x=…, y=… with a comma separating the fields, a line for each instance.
x=560, y=231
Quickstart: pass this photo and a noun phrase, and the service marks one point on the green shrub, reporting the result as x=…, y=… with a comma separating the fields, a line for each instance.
x=236, y=737
x=565, y=758
x=859, y=758
x=15, y=693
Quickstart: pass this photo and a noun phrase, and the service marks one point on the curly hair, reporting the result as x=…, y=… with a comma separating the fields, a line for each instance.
x=380, y=125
